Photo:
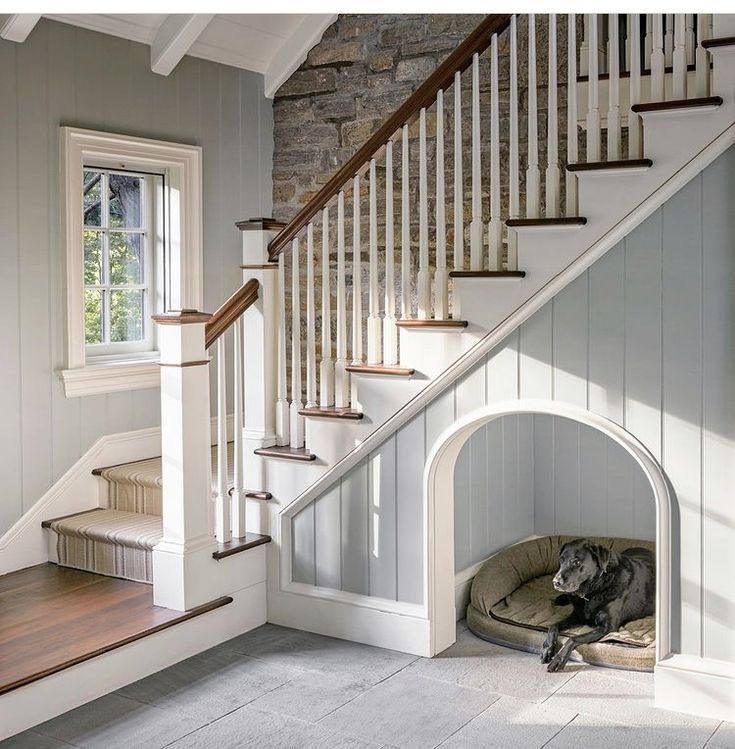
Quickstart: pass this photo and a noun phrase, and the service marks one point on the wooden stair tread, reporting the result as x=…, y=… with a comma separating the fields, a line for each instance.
x=379, y=369
x=332, y=413
x=720, y=41
x=547, y=222
x=286, y=452
x=237, y=545
x=431, y=324
x=487, y=274
x=602, y=166
x=55, y=618
x=676, y=104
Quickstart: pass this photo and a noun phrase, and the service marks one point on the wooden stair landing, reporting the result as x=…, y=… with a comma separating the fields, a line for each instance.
x=52, y=618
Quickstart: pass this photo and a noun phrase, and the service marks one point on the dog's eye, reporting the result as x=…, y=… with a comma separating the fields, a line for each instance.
x=575, y=562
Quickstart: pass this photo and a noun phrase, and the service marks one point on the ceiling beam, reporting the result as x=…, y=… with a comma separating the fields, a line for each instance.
x=17, y=27
x=174, y=39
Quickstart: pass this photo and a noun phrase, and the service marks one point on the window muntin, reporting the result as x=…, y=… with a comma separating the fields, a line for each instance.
x=118, y=246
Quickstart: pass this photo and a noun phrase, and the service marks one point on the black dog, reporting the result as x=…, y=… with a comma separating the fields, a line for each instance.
x=607, y=590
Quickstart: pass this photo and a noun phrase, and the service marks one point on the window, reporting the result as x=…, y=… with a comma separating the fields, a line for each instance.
x=133, y=233
x=120, y=259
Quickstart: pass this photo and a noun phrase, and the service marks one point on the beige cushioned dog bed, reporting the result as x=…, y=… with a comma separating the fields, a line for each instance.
x=512, y=604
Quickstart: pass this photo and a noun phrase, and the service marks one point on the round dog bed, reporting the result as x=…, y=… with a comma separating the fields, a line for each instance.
x=512, y=604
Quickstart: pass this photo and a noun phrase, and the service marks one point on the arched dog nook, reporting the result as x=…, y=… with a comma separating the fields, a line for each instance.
x=439, y=577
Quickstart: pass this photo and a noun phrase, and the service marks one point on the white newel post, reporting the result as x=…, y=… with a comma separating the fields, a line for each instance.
x=188, y=536
x=260, y=351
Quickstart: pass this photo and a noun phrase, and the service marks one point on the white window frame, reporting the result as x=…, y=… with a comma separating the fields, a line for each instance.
x=181, y=166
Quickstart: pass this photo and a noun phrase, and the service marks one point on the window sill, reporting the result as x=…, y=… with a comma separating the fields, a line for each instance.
x=111, y=377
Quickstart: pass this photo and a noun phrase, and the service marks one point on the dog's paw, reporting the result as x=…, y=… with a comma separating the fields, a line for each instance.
x=546, y=654
x=557, y=664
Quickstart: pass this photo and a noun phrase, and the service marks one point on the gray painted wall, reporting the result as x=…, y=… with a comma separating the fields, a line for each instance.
x=645, y=338
x=67, y=76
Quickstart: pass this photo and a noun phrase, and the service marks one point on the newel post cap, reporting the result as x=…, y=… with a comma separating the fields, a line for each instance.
x=257, y=234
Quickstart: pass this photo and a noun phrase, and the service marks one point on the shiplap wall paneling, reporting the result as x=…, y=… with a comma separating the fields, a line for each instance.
x=328, y=540
x=536, y=346
x=355, y=567
x=53, y=79
x=682, y=390
x=570, y=343
x=544, y=509
x=718, y=438
x=382, y=516
x=502, y=370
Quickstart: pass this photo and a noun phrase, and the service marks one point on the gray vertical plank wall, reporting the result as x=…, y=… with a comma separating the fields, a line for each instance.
x=67, y=76
x=645, y=337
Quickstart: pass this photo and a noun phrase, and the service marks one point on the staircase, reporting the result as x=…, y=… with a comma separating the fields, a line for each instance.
x=454, y=223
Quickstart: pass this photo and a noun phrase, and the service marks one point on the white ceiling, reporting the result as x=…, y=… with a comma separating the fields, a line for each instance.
x=271, y=44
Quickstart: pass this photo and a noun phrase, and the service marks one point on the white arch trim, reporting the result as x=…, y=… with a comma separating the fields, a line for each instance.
x=439, y=572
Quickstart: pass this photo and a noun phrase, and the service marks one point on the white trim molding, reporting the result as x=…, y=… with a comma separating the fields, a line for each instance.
x=174, y=39
x=181, y=166
x=17, y=27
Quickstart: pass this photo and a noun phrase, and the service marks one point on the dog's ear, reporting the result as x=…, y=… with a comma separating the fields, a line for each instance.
x=601, y=555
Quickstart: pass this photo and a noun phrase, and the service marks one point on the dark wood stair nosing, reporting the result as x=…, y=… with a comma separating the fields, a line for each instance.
x=378, y=369
x=674, y=104
x=411, y=323
x=252, y=494
x=285, y=452
x=719, y=41
x=76, y=660
x=47, y=523
x=546, y=222
x=238, y=545
x=332, y=413
x=487, y=274
x=601, y=166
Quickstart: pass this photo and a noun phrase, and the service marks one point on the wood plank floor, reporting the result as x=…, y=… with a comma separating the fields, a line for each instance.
x=54, y=617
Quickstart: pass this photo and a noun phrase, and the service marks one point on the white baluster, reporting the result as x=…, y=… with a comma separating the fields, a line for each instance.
x=701, y=57
x=441, y=277
x=648, y=41
x=553, y=172
x=690, y=39
x=282, y=417
x=657, y=58
x=238, y=486
x=405, y=230
x=356, y=274
x=584, y=48
x=326, y=365
x=495, y=225
x=374, y=323
x=679, y=57
x=311, y=401
x=635, y=141
x=222, y=499
x=341, y=375
x=296, y=420
x=613, y=112
x=626, y=42
x=423, y=279
x=458, y=180
x=533, y=173
x=514, y=203
x=669, y=40
x=572, y=141
x=593, y=97
x=390, y=331
x=476, y=223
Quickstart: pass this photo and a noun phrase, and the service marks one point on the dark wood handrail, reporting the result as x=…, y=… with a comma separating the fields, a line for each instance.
x=230, y=311
x=458, y=61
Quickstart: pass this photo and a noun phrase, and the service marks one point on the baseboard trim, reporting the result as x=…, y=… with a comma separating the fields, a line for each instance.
x=28, y=706
x=698, y=686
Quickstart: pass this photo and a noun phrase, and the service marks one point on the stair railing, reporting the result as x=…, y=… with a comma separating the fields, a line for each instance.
x=372, y=248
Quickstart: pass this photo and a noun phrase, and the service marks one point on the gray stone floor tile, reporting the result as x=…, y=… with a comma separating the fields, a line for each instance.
x=510, y=723
x=309, y=696
x=210, y=684
x=409, y=710
x=250, y=727
x=596, y=694
x=32, y=740
x=587, y=731
x=362, y=665
x=723, y=737
x=475, y=663
x=116, y=722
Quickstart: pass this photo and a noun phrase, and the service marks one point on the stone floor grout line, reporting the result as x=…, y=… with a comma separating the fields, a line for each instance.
x=711, y=736
x=563, y=684
x=482, y=712
x=569, y=722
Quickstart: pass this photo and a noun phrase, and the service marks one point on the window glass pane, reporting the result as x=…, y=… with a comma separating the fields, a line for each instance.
x=126, y=315
x=126, y=258
x=92, y=316
x=125, y=201
x=92, y=193
x=92, y=258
